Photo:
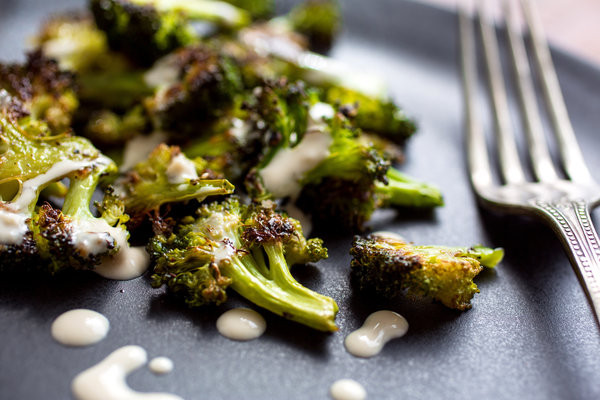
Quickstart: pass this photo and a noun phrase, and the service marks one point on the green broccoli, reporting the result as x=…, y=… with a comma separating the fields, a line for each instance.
x=44, y=91
x=247, y=248
x=334, y=176
x=145, y=30
x=167, y=176
x=389, y=266
x=378, y=115
x=74, y=41
x=34, y=158
x=192, y=85
x=318, y=20
x=258, y=9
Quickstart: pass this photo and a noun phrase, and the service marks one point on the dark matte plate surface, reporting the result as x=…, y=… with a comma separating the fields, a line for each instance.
x=529, y=335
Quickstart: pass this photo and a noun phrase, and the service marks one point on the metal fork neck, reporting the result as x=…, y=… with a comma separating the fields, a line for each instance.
x=571, y=220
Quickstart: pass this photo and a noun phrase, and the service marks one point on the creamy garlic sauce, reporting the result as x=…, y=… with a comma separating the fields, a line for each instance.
x=128, y=263
x=161, y=365
x=318, y=112
x=181, y=169
x=80, y=327
x=283, y=174
x=164, y=72
x=13, y=227
x=378, y=329
x=138, y=148
x=347, y=389
x=241, y=324
x=240, y=130
x=106, y=380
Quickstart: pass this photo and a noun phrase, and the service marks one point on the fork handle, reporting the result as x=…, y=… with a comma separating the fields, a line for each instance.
x=572, y=222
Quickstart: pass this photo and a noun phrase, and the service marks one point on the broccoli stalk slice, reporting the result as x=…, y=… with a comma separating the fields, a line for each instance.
x=404, y=191
x=278, y=292
x=389, y=266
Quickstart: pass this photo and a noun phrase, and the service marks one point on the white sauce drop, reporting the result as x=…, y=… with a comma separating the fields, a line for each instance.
x=283, y=174
x=80, y=327
x=161, y=365
x=241, y=324
x=378, y=329
x=164, y=72
x=319, y=111
x=13, y=226
x=106, y=380
x=240, y=130
x=347, y=389
x=138, y=148
x=128, y=263
x=181, y=169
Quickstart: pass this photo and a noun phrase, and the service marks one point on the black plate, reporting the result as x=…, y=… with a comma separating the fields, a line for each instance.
x=530, y=333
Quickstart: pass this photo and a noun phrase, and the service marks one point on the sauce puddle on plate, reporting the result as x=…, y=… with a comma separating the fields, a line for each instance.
x=241, y=324
x=80, y=327
x=378, y=329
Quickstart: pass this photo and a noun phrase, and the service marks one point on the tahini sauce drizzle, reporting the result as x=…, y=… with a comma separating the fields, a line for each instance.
x=283, y=174
x=161, y=365
x=181, y=169
x=378, y=329
x=80, y=327
x=241, y=324
x=106, y=380
x=138, y=148
x=13, y=215
x=347, y=389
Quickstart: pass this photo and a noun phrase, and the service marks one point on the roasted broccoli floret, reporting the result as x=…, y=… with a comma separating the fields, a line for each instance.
x=388, y=265
x=106, y=127
x=247, y=248
x=378, y=115
x=334, y=176
x=33, y=158
x=258, y=9
x=145, y=30
x=44, y=91
x=318, y=20
x=167, y=176
x=193, y=85
x=74, y=41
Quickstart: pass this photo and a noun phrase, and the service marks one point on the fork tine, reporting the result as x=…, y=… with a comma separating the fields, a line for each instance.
x=477, y=154
x=569, y=149
x=510, y=165
x=538, y=149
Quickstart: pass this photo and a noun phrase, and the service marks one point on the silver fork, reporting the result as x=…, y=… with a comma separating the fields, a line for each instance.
x=564, y=204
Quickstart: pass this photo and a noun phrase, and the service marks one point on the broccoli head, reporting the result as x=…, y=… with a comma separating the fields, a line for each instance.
x=74, y=41
x=318, y=20
x=248, y=248
x=193, y=85
x=389, y=266
x=145, y=30
x=44, y=91
x=374, y=114
x=71, y=237
x=167, y=176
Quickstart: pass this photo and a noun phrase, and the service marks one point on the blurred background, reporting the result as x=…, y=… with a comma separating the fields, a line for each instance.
x=571, y=25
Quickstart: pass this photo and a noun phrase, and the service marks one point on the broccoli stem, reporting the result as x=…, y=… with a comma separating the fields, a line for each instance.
x=78, y=198
x=279, y=292
x=404, y=191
